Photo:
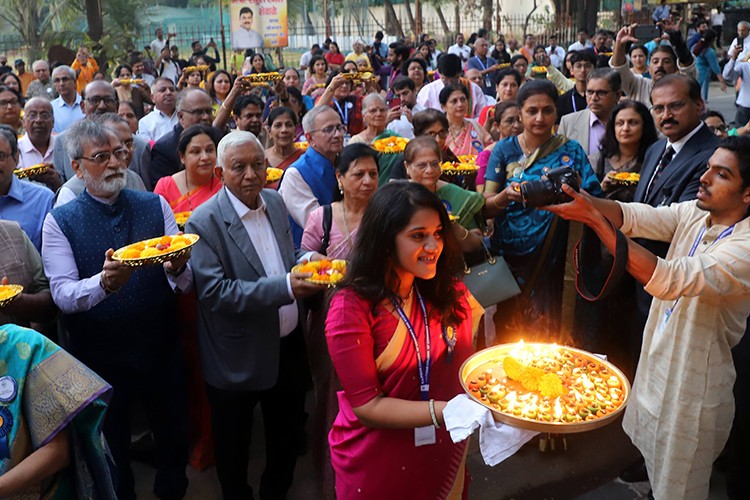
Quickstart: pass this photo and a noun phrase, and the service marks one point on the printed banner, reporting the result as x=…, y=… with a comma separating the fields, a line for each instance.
x=258, y=23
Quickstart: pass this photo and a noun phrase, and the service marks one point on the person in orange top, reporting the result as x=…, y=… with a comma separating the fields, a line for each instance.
x=26, y=78
x=85, y=67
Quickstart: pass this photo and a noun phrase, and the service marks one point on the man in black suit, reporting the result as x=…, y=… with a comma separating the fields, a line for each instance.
x=193, y=106
x=673, y=166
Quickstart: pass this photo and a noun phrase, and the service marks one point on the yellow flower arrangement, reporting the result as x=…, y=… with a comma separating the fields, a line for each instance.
x=301, y=145
x=273, y=174
x=393, y=144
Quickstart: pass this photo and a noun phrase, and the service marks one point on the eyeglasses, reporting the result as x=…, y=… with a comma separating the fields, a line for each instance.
x=96, y=100
x=5, y=156
x=200, y=112
x=129, y=144
x=442, y=134
x=33, y=115
x=672, y=107
x=331, y=129
x=717, y=128
x=104, y=157
x=10, y=102
x=600, y=94
x=423, y=166
x=512, y=121
x=62, y=79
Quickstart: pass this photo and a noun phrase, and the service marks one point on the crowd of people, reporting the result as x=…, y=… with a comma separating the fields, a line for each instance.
x=192, y=346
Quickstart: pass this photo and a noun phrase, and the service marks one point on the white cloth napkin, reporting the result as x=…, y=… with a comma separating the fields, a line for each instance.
x=497, y=441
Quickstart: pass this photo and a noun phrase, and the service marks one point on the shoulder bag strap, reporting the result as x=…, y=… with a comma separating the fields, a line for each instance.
x=327, y=222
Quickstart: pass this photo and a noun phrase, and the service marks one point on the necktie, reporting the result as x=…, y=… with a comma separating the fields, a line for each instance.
x=665, y=160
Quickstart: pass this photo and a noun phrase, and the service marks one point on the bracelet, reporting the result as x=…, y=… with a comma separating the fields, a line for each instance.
x=106, y=289
x=433, y=415
x=465, y=235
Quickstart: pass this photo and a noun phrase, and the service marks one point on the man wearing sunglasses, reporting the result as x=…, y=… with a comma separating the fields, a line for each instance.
x=121, y=324
x=310, y=181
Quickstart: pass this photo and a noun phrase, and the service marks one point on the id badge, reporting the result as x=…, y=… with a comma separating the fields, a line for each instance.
x=663, y=323
x=424, y=435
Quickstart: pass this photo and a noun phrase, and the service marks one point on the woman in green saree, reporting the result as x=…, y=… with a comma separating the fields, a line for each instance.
x=51, y=411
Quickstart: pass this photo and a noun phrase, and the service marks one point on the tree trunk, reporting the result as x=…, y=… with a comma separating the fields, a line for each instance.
x=443, y=22
x=457, y=13
x=94, y=19
x=409, y=14
x=487, y=14
x=528, y=18
x=392, y=23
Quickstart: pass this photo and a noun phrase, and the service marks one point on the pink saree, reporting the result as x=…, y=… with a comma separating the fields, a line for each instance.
x=179, y=202
x=374, y=354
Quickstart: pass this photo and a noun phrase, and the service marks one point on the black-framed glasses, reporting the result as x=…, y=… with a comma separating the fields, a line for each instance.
x=600, y=94
x=200, y=111
x=717, y=128
x=442, y=134
x=331, y=129
x=96, y=100
x=4, y=103
x=104, y=157
x=672, y=107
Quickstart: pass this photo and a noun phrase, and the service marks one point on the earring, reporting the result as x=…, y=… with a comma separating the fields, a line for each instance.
x=341, y=188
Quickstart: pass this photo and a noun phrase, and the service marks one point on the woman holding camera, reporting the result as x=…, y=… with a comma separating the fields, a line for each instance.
x=534, y=242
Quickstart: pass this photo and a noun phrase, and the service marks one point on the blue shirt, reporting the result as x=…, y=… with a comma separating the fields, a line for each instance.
x=488, y=79
x=27, y=203
x=66, y=114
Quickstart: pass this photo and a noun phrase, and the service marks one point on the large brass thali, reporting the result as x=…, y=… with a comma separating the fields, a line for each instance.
x=492, y=359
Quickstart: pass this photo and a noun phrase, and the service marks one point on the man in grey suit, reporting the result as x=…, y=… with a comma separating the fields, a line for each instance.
x=99, y=97
x=588, y=126
x=250, y=326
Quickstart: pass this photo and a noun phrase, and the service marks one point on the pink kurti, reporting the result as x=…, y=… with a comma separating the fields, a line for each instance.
x=374, y=355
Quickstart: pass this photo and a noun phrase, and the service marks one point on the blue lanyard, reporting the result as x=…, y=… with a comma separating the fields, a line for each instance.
x=697, y=241
x=423, y=367
x=484, y=66
x=343, y=114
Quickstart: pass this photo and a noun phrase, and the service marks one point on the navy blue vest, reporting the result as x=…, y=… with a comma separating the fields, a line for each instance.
x=143, y=312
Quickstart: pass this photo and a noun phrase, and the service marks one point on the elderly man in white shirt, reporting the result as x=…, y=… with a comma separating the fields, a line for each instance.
x=37, y=145
x=250, y=319
x=163, y=118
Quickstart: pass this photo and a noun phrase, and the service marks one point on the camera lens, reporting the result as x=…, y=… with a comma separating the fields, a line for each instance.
x=538, y=193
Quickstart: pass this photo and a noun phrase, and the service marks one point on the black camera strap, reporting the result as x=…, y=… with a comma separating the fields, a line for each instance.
x=593, y=282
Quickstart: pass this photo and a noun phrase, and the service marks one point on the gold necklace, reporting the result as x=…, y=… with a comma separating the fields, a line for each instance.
x=525, y=147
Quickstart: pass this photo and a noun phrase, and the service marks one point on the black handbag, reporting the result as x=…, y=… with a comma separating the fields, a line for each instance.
x=491, y=281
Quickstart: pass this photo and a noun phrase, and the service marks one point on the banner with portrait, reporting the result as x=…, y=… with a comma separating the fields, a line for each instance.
x=258, y=23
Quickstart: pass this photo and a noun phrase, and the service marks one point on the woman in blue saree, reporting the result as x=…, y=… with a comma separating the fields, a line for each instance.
x=51, y=411
x=533, y=242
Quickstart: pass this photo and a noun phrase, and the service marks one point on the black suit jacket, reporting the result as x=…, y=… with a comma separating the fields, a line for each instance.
x=678, y=182
x=164, y=159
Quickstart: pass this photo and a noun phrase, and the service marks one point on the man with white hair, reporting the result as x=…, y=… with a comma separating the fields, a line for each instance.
x=310, y=181
x=358, y=53
x=42, y=86
x=121, y=324
x=250, y=319
x=742, y=39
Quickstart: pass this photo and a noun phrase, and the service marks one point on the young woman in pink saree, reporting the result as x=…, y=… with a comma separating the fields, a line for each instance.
x=185, y=191
x=397, y=332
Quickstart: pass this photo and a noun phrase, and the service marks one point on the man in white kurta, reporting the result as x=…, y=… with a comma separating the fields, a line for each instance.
x=681, y=406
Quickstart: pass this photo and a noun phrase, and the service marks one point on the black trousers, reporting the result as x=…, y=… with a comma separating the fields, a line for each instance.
x=283, y=408
x=155, y=376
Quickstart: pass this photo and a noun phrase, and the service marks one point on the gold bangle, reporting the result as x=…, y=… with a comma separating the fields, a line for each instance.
x=465, y=235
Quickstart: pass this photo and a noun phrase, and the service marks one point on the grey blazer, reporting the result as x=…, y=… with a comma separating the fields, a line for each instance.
x=575, y=126
x=238, y=304
x=140, y=164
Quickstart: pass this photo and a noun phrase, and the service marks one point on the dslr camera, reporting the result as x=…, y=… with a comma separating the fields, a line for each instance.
x=548, y=191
